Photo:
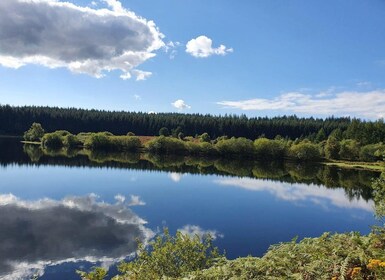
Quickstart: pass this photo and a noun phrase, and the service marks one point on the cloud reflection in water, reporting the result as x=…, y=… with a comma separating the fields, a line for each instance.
x=299, y=192
x=34, y=234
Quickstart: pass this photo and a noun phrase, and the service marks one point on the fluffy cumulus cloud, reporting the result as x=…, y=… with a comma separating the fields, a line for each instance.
x=370, y=104
x=180, y=104
x=194, y=230
x=47, y=232
x=202, y=46
x=300, y=192
x=83, y=39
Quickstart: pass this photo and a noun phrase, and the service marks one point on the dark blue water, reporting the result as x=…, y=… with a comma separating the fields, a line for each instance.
x=58, y=215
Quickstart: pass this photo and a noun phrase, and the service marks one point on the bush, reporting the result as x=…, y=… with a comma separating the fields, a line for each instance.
x=35, y=133
x=269, y=149
x=169, y=256
x=205, y=137
x=101, y=141
x=305, y=151
x=97, y=141
x=125, y=143
x=203, y=148
x=235, y=147
x=52, y=140
x=332, y=148
x=71, y=141
x=372, y=152
x=166, y=145
x=349, y=149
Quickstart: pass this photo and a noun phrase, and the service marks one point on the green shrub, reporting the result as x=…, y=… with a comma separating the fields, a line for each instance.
x=101, y=141
x=349, y=149
x=269, y=149
x=169, y=256
x=372, y=152
x=97, y=141
x=71, y=141
x=166, y=145
x=332, y=148
x=205, y=137
x=52, y=140
x=35, y=133
x=240, y=147
x=305, y=151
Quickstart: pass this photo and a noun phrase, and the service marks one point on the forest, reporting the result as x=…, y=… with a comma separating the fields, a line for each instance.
x=16, y=120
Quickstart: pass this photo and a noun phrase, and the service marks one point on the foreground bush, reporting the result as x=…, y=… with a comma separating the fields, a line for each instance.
x=338, y=256
x=331, y=256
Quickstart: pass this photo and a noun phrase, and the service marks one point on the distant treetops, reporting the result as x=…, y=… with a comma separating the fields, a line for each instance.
x=16, y=120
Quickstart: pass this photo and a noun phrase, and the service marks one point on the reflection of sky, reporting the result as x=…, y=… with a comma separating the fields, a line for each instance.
x=249, y=221
x=299, y=192
x=34, y=234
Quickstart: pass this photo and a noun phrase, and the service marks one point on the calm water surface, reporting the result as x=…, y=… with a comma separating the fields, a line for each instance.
x=59, y=214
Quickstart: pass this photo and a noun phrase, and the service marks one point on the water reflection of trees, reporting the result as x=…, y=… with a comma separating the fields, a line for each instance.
x=355, y=182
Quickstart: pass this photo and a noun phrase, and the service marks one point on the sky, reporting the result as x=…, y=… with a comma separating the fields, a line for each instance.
x=252, y=57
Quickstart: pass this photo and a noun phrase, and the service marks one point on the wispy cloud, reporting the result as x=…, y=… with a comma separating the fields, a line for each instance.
x=202, y=46
x=82, y=39
x=299, y=192
x=369, y=104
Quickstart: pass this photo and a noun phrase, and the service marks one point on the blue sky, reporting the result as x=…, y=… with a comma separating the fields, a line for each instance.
x=310, y=58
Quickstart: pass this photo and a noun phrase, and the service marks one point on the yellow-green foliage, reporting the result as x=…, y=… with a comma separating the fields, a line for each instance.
x=170, y=256
x=327, y=257
x=241, y=147
x=163, y=144
x=201, y=148
x=305, y=151
x=269, y=149
x=372, y=152
x=35, y=133
x=107, y=142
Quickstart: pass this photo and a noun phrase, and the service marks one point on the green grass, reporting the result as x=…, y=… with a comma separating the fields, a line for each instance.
x=371, y=166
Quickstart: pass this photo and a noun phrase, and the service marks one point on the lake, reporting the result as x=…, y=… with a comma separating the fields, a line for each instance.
x=67, y=210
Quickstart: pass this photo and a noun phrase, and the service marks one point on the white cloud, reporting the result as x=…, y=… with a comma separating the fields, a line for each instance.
x=180, y=104
x=141, y=75
x=299, y=192
x=120, y=198
x=193, y=230
x=137, y=97
x=176, y=177
x=202, y=47
x=370, y=104
x=82, y=39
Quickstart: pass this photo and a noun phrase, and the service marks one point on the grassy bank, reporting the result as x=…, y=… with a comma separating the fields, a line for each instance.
x=371, y=166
